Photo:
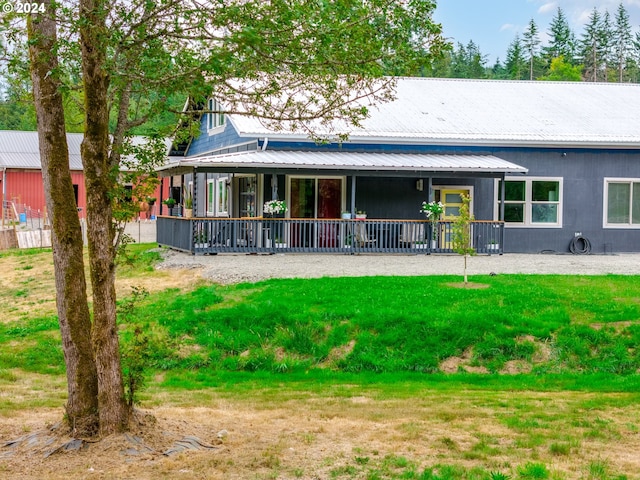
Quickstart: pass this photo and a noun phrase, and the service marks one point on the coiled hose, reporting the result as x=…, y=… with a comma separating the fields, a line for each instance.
x=580, y=246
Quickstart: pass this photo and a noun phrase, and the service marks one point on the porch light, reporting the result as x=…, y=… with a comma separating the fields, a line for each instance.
x=420, y=184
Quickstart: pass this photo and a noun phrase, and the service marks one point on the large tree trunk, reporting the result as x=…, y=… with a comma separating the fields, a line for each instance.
x=71, y=291
x=99, y=179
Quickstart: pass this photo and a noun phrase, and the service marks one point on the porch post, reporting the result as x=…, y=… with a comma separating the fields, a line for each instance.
x=170, y=193
x=430, y=188
x=502, y=189
x=353, y=196
x=195, y=192
x=161, y=193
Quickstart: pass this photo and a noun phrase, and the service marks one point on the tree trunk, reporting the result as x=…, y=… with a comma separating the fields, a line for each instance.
x=71, y=290
x=99, y=179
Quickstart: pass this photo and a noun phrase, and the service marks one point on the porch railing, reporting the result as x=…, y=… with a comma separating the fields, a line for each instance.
x=284, y=235
x=279, y=235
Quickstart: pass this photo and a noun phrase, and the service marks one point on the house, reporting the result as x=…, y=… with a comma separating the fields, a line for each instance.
x=21, y=184
x=549, y=167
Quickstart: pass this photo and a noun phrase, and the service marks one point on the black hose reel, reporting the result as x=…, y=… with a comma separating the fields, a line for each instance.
x=580, y=245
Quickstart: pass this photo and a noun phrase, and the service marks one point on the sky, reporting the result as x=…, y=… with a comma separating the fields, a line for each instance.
x=493, y=24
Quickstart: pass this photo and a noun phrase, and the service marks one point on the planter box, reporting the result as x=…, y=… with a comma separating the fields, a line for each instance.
x=493, y=246
x=361, y=216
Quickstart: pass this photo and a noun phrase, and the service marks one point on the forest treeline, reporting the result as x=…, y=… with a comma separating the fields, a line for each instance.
x=606, y=50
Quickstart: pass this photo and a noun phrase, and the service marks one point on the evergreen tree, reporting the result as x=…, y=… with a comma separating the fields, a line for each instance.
x=530, y=43
x=623, y=44
x=562, y=41
x=516, y=63
x=591, y=47
x=468, y=62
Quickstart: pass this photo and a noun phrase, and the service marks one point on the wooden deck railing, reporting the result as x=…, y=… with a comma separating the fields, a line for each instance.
x=280, y=235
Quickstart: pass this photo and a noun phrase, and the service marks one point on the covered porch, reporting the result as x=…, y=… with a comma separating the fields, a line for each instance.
x=325, y=193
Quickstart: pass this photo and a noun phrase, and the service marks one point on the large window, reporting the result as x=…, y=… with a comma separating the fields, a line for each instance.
x=535, y=202
x=215, y=117
x=622, y=202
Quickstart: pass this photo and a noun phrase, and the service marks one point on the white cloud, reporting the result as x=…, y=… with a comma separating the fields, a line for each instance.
x=509, y=27
x=549, y=7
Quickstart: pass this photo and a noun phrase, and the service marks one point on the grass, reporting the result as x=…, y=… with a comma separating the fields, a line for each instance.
x=545, y=378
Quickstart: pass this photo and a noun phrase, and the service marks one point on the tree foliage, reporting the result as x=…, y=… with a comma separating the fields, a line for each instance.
x=297, y=64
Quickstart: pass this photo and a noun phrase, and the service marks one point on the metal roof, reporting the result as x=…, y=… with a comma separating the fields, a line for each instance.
x=358, y=161
x=492, y=112
x=21, y=150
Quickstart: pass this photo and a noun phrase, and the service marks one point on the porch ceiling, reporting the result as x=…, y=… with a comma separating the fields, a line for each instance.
x=350, y=161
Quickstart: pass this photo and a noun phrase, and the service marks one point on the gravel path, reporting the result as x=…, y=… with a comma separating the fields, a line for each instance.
x=234, y=268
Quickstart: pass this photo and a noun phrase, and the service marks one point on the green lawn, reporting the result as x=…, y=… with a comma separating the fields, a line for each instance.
x=570, y=342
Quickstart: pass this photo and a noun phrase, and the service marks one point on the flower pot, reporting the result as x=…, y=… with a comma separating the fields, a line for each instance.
x=346, y=215
x=361, y=216
x=188, y=212
x=493, y=246
x=434, y=244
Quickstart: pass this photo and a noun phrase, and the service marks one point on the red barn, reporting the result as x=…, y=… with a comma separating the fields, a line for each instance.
x=21, y=185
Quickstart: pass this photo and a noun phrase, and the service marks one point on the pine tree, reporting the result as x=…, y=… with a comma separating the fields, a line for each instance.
x=591, y=48
x=562, y=41
x=516, y=63
x=622, y=41
x=531, y=42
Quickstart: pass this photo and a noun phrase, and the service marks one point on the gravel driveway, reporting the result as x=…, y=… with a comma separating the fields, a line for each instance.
x=234, y=268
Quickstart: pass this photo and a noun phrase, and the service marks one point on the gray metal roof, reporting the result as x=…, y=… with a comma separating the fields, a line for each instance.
x=359, y=161
x=21, y=150
x=493, y=112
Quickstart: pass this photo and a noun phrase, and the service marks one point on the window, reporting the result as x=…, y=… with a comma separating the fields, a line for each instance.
x=215, y=117
x=533, y=202
x=622, y=202
x=217, y=197
x=211, y=195
x=223, y=196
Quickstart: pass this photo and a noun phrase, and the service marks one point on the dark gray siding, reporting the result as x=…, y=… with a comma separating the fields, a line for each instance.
x=583, y=173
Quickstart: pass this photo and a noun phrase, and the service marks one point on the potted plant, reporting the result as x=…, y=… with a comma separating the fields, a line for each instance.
x=151, y=201
x=188, y=203
x=433, y=211
x=170, y=203
x=361, y=215
x=274, y=207
x=346, y=215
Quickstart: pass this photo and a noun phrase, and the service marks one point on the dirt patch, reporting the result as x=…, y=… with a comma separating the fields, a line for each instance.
x=336, y=354
x=617, y=326
x=455, y=364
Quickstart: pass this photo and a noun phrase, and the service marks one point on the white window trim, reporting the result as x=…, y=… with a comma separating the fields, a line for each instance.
x=221, y=182
x=211, y=202
x=528, y=202
x=212, y=126
x=605, y=203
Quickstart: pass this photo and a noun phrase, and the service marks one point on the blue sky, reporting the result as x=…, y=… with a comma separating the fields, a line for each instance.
x=493, y=24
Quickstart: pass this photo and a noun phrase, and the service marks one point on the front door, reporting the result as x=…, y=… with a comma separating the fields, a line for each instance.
x=452, y=201
x=315, y=198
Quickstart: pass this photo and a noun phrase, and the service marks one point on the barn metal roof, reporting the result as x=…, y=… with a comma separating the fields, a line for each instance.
x=492, y=112
x=358, y=161
x=21, y=150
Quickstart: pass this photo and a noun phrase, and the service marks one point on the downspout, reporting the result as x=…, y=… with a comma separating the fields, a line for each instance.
x=265, y=143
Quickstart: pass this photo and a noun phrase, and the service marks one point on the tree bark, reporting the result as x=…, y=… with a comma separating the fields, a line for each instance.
x=99, y=179
x=71, y=290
